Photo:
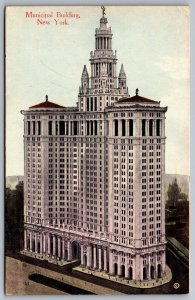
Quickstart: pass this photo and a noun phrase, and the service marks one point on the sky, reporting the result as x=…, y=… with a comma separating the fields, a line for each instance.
x=151, y=42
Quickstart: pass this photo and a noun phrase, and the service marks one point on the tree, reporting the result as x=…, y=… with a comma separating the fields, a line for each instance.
x=14, y=218
x=173, y=193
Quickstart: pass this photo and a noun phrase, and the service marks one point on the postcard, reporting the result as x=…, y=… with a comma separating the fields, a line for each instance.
x=97, y=150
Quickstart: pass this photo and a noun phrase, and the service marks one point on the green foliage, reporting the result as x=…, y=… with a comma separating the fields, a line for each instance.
x=14, y=218
x=174, y=193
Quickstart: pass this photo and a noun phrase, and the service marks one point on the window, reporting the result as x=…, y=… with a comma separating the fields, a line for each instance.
x=50, y=127
x=33, y=127
x=123, y=128
x=75, y=123
x=130, y=127
x=150, y=127
x=116, y=127
x=28, y=127
x=39, y=128
x=62, y=128
x=87, y=104
x=91, y=104
x=95, y=128
x=158, y=127
x=143, y=127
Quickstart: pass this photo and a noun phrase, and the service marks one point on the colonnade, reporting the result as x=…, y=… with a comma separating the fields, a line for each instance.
x=96, y=257
x=130, y=127
x=103, y=43
x=49, y=244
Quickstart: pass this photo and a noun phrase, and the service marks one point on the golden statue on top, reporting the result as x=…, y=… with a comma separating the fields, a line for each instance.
x=103, y=11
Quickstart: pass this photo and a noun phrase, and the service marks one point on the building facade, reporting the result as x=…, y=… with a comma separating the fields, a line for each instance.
x=94, y=174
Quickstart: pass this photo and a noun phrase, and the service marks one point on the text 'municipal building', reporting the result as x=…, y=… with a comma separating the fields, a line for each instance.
x=94, y=174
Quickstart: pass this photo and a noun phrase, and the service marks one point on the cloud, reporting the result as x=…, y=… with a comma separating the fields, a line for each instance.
x=175, y=67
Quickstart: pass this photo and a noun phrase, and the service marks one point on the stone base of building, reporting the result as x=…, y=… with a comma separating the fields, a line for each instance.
x=144, y=284
x=50, y=259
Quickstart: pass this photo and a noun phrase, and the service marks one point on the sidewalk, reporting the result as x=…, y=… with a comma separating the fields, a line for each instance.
x=50, y=259
x=136, y=284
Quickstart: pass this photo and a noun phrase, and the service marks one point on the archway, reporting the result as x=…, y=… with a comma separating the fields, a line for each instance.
x=33, y=245
x=66, y=254
x=75, y=250
x=152, y=272
x=123, y=271
x=159, y=271
x=115, y=269
x=38, y=247
x=130, y=273
x=85, y=260
x=144, y=273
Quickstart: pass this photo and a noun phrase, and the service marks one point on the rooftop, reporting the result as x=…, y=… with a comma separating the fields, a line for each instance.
x=137, y=99
x=46, y=104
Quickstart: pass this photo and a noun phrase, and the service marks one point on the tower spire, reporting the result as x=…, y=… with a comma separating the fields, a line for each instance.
x=122, y=73
x=85, y=72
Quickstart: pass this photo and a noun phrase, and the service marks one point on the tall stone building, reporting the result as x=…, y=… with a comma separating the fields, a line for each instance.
x=94, y=174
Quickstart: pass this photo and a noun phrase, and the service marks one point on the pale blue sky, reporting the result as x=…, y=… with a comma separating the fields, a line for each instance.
x=151, y=42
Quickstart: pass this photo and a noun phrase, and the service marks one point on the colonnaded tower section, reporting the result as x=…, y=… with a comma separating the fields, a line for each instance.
x=94, y=174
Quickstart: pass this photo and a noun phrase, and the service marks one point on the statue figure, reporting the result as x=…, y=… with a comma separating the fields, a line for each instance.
x=103, y=11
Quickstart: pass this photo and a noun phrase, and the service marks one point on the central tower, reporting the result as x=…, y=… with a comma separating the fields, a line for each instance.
x=103, y=82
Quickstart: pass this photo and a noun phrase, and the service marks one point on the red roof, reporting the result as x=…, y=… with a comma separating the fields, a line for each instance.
x=136, y=99
x=47, y=104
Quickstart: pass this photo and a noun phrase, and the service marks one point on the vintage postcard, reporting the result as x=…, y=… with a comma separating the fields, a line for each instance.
x=97, y=150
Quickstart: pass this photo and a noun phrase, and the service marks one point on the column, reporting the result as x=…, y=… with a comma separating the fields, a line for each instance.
x=59, y=247
x=119, y=264
x=163, y=263
x=154, y=127
x=147, y=128
x=100, y=258
x=119, y=128
x=63, y=248
x=105, y=260
x=94, y=257
x=30, y=241
x=111, y=263
x=35, y=242
x=44, y=243
x=69, y=246
x=82, y=255
x=127, y=128
x=48, y=245
x=54, y=245
x=89, y=256
x=148, y=268
x=25, y=239
x=41, y=244
x=126, y=266
x=141, y=267
x=155, y=266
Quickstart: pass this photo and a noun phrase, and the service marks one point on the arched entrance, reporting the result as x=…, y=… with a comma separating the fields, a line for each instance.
x=85, y=260
x=75, y=250
x=159, y=271
x=144, y=273
x=38, y=247
x=130, y=273
x=33, y=245
x=115, y=269
x=123, y=271
x=152, y=272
